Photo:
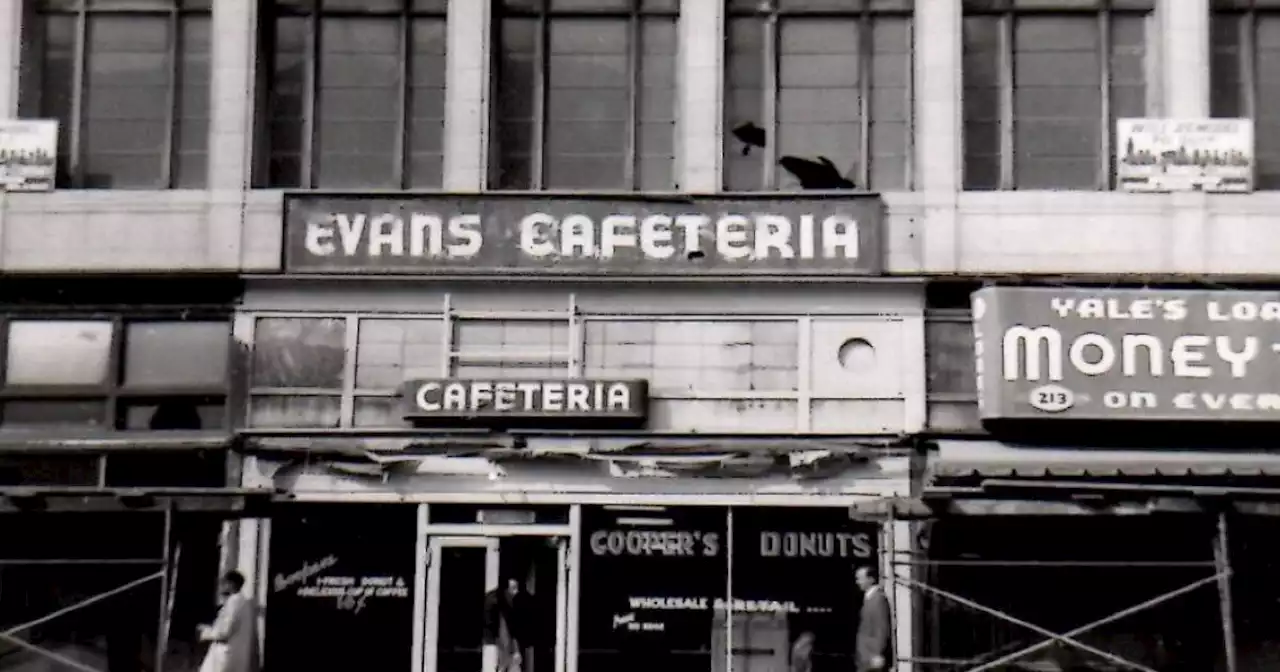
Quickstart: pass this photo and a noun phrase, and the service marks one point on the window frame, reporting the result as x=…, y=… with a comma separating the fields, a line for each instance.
x=314, y=12
x=574, y=358
x=866, y=14
x=113, y=392
x=544, y=14
x=81, y=12
x=1244, y=15
x=1007, y=12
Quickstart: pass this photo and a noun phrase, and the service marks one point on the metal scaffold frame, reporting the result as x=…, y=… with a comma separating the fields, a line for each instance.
x=1221, y=576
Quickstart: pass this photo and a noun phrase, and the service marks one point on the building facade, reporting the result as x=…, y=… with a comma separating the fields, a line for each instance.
x=660, y=308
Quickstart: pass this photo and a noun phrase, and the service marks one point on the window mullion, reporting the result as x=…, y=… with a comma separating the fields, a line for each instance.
x=311, y=81
x=772, y=89
x=171, y=109
x=866, y=51
x=1103, y=178
x=541, y=84
x=116, y=369
x=1007, y=72
x=76, y=132
x=347, y=404
x=909, y=155
x=400, y=171
x=634, y=51
x=1248, y=28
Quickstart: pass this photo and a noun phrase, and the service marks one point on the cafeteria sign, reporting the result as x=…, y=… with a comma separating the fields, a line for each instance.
x=1127, y=354
x=583, y=399
x=501, y=234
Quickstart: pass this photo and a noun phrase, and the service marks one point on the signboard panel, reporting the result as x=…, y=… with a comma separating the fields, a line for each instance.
x=453, y=399
x=583, y=235
x=28, y=154
x=1127, y=354
x=1158, y=155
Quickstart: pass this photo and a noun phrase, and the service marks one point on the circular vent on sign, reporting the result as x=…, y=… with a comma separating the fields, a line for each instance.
x=857, y=355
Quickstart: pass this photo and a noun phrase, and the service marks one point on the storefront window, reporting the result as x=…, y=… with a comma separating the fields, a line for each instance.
x=340, y=588
x=656, y=583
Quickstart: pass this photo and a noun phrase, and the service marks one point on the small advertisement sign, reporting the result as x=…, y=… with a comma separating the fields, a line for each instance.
x=455, y=399
x=1165, y=155
x=1127, y=354
x=28, y=154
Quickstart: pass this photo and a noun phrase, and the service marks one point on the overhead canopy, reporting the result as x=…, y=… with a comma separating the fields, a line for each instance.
x=995, y=459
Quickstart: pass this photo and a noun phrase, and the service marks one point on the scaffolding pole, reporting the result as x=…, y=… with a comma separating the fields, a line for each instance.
x=1222, y=562
x=162, y=621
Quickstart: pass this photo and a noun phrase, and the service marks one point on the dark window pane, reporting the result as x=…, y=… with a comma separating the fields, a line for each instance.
x=1225, y=76
x=1267, y=73
x=285, y=102
x=426, y=103
x=176, y=414
x=1057, y=61
x=127, y=55
x=177, y=353
x=55, y=413
x=58, y=353
x=192, y=134
x=688, y=561
x=982, y=84
x=299, y=352
x=949, y=357
x=514, y=116
x=311, y=412
x=357, y=102
x=35, y=470
x=744, y=103
x=55, y=88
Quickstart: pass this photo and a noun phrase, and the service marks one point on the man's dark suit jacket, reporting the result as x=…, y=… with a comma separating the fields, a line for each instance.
x=875, y=632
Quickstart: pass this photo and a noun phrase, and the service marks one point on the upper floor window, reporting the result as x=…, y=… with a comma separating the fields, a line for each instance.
x=584, y=95
x=114, y=373
x=128, y=82
x=354, y=93
x=1245, y=76
x=818, y=95
x=1044, y=83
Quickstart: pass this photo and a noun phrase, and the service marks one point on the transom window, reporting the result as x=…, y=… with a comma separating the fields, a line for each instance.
x=825, y=82
x=1044, y=83
x=303, y=376
x=355, y=93
x=128, y=82
x=114, y=373
x=584, y=95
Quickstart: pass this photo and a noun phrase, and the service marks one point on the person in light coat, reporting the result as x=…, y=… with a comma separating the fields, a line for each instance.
x=233, y=637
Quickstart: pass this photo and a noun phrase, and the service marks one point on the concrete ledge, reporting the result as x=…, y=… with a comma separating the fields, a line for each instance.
x=140, y=231
x=1083, y=233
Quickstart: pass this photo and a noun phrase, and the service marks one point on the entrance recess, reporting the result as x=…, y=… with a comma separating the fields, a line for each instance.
x=464, y=573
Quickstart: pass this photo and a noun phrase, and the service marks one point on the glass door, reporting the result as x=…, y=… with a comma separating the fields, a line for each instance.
x=461, y=573
x=497, y=604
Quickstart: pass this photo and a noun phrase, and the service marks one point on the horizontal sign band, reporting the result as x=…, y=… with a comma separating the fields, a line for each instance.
x=449, y=234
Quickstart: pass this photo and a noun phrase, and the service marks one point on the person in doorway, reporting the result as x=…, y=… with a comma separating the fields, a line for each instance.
x=874, y=641
x=233, y=637
x=802, y=653
x=506, y=625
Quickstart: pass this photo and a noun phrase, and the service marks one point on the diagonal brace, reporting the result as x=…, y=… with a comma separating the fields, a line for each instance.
x=1054, y=637
x=1141, y=606
x=79, y=605
x=51, y=655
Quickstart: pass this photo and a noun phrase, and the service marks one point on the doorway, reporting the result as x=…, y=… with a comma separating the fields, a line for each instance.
x=492, y=590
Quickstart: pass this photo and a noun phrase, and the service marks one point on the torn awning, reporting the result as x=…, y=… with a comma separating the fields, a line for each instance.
x=996, y=459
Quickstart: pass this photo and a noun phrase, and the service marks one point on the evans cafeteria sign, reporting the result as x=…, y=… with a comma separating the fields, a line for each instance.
x=1128, y=354
x=495, y=234
x=454, y=399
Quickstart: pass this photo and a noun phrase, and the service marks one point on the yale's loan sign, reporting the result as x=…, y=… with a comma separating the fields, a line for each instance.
x=1127, y=354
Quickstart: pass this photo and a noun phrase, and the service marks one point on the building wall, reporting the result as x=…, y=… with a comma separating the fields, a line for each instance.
x=933, y=229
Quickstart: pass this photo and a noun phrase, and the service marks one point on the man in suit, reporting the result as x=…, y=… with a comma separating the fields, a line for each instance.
x=874, y=642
